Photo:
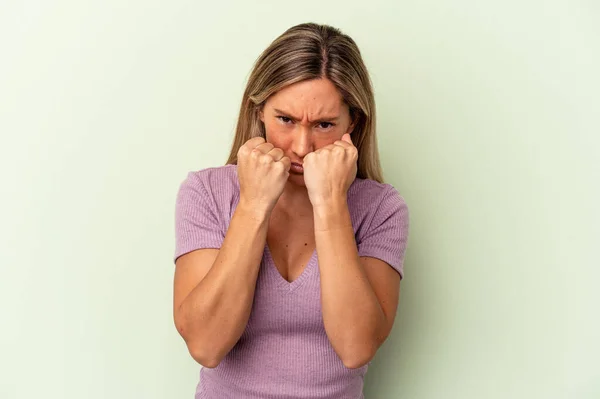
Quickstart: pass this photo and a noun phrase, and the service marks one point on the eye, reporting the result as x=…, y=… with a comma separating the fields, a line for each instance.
x=325, y=125
x=284, y=119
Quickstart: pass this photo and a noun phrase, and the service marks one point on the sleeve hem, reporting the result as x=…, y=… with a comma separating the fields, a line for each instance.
x=398, y=267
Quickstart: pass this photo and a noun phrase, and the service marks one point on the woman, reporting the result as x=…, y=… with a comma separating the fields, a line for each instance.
x=289, y=258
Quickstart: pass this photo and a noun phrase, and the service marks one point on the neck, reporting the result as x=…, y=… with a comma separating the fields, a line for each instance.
x=294, y=200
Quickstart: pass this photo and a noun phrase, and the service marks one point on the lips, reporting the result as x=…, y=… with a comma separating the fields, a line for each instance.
x=296, y=168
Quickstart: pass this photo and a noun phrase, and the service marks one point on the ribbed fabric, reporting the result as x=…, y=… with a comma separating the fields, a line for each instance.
x=284, y=353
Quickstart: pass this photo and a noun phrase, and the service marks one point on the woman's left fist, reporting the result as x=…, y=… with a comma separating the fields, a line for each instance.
x=329, y=171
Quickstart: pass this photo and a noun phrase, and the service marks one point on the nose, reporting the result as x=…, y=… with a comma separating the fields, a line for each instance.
x=302, y=144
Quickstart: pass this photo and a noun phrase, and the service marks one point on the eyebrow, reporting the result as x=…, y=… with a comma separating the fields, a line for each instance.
x=322, y=119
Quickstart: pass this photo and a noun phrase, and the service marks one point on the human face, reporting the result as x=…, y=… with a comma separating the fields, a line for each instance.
x=303, y=117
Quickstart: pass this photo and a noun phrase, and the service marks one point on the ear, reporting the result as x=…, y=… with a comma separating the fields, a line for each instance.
x=354, y=117
x=261, y=114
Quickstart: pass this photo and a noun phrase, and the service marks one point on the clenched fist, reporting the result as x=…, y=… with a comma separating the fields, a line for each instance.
x=263, y=171
x=329, y=171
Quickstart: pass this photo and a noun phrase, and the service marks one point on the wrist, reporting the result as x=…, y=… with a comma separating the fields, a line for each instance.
x=331, y=214
x=256, y=211
x=327, y=202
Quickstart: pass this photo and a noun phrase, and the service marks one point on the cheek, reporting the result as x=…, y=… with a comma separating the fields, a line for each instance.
x=324, y=141
x=275, y=135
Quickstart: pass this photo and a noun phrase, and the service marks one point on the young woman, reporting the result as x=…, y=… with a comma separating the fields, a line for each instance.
x=289, y=258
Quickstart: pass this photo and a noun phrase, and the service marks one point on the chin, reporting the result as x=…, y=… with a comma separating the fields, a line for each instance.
x=297, y=180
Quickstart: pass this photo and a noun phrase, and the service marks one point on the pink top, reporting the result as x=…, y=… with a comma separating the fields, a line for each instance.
x=284, y=351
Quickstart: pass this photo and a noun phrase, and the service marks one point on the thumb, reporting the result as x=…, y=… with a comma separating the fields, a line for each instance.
x=346, y=138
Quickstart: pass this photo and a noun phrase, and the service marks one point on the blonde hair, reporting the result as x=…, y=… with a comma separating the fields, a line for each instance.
x=311, y=51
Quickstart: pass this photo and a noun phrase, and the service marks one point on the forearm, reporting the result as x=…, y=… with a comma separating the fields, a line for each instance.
x=215, y=313
x=352, y=314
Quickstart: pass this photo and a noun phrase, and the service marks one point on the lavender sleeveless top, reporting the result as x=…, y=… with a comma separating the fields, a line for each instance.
x=284, y=351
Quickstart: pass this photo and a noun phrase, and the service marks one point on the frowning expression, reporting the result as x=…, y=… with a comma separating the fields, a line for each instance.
x=304, y=117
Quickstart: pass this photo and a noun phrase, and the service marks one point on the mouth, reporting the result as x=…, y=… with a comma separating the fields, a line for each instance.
x=297, y=168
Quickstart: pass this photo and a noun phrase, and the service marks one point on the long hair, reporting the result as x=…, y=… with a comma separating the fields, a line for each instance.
x=312, y=51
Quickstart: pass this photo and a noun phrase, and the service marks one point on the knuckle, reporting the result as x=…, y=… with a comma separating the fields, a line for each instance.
x=254, y=142
x=265, y=147
x=244, y=150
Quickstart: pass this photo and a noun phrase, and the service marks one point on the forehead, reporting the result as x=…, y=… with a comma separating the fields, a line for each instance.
x=312, y=96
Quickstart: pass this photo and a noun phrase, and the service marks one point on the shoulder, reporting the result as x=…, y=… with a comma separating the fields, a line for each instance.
x=369, y=201
x=368, y=195
x=203, y=209
x=220, y=180
x=217, y=189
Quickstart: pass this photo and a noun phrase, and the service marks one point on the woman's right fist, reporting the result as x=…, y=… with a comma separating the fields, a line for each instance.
x=263, y=171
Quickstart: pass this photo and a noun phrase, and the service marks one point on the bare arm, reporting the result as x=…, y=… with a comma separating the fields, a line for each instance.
x=214, y=289
x=359, y=295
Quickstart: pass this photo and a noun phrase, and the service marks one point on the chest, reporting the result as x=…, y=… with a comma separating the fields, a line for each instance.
x=283, y=307
x=291, y=245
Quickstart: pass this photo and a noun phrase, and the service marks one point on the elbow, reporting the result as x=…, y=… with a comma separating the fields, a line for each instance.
x=204, y=357
x=356, y=362
x=354, y=359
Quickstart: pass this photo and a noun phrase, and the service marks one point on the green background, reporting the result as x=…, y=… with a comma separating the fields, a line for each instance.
x=488, y=124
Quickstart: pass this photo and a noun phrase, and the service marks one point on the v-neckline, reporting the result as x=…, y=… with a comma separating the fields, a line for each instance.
x=281, y=281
